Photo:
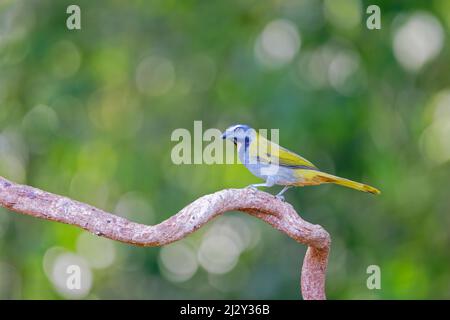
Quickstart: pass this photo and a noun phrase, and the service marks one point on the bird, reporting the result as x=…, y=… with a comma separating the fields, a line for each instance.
x=279, y=166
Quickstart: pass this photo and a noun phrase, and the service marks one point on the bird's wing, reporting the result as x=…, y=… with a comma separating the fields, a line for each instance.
x=270, y=152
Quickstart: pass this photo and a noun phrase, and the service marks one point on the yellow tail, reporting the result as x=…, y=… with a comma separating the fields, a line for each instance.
x=328, y=178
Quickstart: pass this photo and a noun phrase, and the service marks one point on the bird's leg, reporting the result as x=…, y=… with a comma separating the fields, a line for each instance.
x=255, y=186
x=280, y=194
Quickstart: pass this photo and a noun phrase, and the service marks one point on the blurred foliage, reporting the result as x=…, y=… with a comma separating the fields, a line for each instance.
x=89, y=114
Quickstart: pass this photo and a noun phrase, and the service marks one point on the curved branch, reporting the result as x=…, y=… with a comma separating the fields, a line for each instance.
x=279, y=214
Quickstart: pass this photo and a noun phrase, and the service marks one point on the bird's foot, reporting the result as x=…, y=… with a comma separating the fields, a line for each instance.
x=279, y=195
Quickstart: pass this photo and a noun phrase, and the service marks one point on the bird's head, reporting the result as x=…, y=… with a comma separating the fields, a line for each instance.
x=238, y=133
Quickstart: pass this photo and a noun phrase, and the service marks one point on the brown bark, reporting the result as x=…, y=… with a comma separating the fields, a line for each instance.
x=281, y=215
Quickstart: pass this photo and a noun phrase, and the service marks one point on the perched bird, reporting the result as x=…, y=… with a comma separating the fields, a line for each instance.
x=279, y=166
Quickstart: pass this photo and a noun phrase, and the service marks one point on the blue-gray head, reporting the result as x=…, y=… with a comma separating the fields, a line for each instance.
x=238, y=133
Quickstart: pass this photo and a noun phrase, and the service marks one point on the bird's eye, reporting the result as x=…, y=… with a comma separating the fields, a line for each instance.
x=239, y=130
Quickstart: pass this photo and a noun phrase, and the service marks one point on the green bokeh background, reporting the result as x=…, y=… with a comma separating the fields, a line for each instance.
x=89, y=114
